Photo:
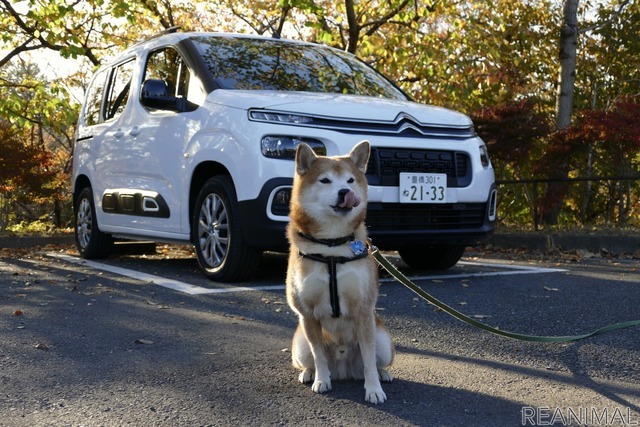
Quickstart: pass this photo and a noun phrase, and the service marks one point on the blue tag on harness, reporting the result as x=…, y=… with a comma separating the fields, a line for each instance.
x=358, y=247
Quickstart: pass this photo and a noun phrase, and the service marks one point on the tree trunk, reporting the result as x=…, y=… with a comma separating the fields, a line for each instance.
x=564, y=102
x=57, y=213
x=567, y=75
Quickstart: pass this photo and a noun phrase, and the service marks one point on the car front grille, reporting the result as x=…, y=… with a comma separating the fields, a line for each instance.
x=385, y=165
x=407, y=217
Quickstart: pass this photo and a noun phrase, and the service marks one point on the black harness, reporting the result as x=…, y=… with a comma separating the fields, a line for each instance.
x=360, y=250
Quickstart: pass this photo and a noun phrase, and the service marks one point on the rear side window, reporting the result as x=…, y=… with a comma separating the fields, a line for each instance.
x=93, y=108
x=119, y=88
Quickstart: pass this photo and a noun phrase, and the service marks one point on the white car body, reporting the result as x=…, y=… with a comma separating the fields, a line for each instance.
x=145, y=166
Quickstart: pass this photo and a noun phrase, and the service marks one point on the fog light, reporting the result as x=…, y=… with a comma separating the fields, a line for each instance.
x=283, y=197
x=280, y=201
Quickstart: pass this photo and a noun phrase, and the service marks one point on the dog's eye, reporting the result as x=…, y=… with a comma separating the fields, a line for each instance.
x=325, y=181
x=351, y=180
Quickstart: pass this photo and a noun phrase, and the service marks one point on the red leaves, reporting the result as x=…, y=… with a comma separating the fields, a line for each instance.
x=23, y=166
x=511, y=131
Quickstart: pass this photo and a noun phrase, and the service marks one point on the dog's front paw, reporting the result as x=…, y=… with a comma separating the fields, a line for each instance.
x=306, y=376
x=385, y=376
x=320, y=386
x=374, y=396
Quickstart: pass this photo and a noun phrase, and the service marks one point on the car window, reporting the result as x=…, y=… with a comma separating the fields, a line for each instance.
x=93, y=106
x=167, y=65
x=119, y=88
x=256, y=64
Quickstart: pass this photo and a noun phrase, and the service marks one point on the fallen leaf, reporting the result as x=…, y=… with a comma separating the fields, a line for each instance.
x=41, y=346
x=17, y=313
x=481, y=316
x=145, y=342
x=546, y=288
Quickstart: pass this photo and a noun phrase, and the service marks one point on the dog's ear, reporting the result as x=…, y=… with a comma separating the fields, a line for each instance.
x=305, y=157
x=360, y=155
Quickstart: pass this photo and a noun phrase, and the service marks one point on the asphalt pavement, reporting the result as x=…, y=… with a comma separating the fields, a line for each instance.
x=81, y=346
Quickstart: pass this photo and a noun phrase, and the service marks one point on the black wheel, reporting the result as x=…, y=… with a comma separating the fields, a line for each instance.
x=217, y=234
x=431, y=257
x=90, y=241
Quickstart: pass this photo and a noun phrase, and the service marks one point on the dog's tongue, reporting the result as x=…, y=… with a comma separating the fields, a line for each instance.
x=351, y=200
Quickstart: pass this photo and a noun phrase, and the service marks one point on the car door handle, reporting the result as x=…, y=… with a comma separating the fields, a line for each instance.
x=135, y=131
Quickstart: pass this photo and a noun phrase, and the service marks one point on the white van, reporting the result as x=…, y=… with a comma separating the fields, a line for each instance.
x=190, y=138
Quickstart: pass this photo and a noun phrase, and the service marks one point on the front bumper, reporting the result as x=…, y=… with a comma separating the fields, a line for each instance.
x=390, y=225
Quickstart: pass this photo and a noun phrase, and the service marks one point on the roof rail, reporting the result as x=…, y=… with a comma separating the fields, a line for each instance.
x=169, y=30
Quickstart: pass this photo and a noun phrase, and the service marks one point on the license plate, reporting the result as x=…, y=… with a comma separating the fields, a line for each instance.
x=423, y=187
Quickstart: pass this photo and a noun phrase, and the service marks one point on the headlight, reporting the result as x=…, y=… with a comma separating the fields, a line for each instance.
x=286, y=118
x=284, y=147
x=484, y=156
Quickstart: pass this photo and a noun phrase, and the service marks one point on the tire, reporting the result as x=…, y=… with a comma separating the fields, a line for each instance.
x=431, y=257
x=90, y=241
x=217, y=233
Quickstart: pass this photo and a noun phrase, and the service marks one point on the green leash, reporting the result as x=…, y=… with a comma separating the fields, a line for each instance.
x=460, y=316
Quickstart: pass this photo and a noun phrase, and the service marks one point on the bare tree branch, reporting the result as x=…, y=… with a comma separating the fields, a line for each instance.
x=609, y=21
x=24, y=47
x=375, y=25
x=43, y=43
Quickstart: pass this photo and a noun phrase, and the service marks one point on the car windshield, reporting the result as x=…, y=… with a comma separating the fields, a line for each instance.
x=263, y=64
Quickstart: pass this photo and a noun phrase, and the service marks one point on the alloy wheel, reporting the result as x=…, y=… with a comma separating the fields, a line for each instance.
x=213, y=230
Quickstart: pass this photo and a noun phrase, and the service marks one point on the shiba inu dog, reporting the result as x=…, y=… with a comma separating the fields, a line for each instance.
x=332, y=281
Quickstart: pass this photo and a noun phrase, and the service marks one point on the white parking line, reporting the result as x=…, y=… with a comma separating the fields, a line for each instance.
x=176, y=285
x=198, y=290
x=511, y=270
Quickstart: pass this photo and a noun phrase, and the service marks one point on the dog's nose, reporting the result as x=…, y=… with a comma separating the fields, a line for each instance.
x=341, y=193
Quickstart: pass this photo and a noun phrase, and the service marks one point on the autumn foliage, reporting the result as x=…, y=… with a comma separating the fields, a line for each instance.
x=603, y=145
x=512, y=133
x=496, y=60
x=25, y=171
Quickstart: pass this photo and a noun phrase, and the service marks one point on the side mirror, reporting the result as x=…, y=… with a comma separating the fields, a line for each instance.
x=155, y=95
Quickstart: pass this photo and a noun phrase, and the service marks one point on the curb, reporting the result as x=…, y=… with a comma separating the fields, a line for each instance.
x=595, y=243
x=31, y=241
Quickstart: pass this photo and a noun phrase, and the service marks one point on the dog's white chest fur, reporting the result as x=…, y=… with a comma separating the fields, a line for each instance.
x=313, y=288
